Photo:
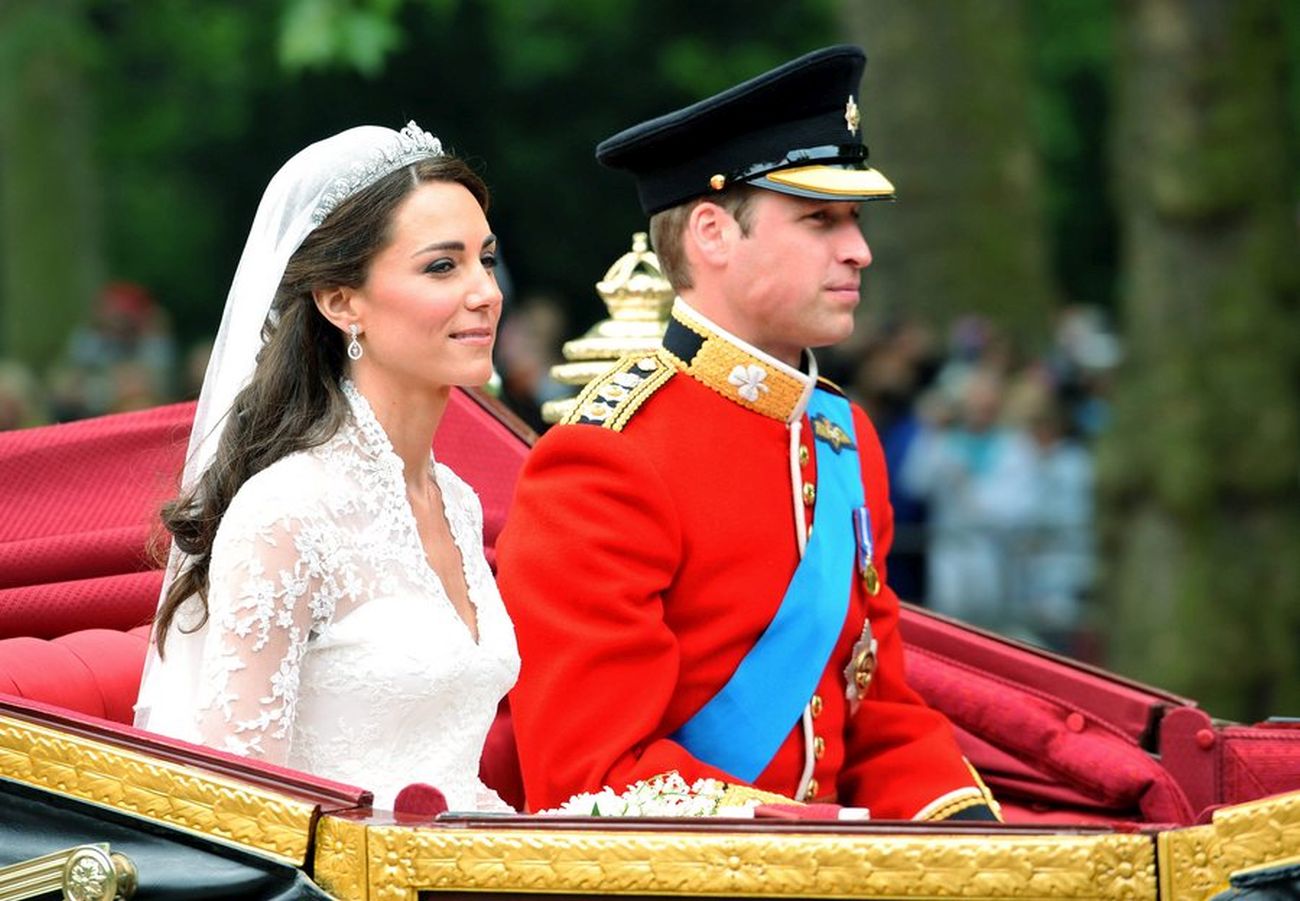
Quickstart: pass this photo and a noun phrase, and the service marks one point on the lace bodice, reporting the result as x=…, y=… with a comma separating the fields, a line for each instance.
x=332, y=645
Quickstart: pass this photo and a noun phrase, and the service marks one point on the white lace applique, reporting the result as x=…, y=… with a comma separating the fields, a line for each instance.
x=332, y=645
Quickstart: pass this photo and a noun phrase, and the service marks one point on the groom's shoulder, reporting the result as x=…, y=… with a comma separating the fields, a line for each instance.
x=612, y=400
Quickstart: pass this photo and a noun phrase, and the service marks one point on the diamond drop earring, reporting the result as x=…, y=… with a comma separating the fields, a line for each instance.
x=354, y=346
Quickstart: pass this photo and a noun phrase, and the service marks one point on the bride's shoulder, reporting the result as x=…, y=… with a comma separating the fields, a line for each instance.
x=290, y=488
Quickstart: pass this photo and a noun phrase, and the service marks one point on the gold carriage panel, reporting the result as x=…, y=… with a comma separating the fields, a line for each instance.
x=178, y=795
x=1199, y=862
x=392, y=862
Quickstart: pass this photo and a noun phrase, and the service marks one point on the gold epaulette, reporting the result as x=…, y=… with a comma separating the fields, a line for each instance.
x=610, y=400
x=827, y=384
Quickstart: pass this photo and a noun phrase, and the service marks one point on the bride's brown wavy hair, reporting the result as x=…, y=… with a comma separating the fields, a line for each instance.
x=293, y=400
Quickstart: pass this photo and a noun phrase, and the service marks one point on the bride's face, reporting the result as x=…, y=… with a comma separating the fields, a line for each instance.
x=430, y=303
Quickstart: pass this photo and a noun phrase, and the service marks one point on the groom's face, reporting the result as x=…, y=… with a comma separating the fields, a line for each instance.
x=430, y=303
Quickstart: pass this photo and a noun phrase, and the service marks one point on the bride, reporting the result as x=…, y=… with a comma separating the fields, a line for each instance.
x=327, y=605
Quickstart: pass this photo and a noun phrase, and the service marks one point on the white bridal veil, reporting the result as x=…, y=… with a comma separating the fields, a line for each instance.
x=305, y=190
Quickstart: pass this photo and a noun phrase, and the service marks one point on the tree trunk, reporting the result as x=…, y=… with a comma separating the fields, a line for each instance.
x=50, y=255
x=1202, y=505
x=945, y=106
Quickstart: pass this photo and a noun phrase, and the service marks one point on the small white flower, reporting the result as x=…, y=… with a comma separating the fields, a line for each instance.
x=749, y=381
x=667, y=795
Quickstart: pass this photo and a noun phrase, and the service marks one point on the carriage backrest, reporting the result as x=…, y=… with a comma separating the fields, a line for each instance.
x=80, y=539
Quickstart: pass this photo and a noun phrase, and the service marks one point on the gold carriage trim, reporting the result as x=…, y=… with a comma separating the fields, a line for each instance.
x=991, y=801
x=611, y=400
x=172, y=793
x=1198, y=862
x=401, y=862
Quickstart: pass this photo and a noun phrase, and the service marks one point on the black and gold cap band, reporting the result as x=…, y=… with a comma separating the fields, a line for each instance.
x=795, y=129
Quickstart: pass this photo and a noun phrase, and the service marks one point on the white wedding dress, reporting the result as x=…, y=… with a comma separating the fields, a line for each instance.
x=332, y=646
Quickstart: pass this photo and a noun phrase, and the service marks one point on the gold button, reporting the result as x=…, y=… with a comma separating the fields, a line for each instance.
x=809, y=493
x=811, y=792
x=803, y=455
x=815, y=705
x=819, y=747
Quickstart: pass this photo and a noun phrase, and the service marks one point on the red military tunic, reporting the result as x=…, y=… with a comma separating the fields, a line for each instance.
x=650, y=542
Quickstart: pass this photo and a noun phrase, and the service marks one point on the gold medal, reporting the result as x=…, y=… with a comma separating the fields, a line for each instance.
x=864, y=667
x=861, y=667
x=871, y=578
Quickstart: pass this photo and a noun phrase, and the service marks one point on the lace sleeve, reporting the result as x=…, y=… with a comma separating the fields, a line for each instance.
x=264, y=601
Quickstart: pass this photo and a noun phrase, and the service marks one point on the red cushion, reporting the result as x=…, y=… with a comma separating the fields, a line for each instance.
x=1062, y=754
x=94, y=671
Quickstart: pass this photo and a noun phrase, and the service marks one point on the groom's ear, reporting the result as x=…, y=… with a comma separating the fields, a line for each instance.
x=338, y=305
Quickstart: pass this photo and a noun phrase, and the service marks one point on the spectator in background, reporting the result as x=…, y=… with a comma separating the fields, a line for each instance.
x=527, y=348
x=896, y=365
x=1055, y=554
x=974, y=473
x=194, y=368
x=20, y=401
x=124, y=357
x=1084, y=353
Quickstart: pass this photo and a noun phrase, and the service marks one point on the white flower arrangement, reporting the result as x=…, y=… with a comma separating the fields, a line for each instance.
x=665, y=795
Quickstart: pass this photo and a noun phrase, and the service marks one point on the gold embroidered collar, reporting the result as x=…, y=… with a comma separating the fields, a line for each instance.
x=738, y=371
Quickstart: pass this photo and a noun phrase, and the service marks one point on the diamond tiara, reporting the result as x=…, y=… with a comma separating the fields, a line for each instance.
x=411, y=144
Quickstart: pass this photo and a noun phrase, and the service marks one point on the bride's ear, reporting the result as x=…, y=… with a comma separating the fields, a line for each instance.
x=338, y=305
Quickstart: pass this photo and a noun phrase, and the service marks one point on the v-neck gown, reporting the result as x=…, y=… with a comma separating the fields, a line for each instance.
x=332, y=645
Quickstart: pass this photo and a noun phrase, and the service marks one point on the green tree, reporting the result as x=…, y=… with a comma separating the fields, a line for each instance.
x=946, y=111
x=1203, y=506
x=50, y=255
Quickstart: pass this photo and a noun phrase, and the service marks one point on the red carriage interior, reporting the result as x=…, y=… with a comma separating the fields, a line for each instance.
x=1057, y=742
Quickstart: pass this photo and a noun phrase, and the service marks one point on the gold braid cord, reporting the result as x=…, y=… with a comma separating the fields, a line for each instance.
x=610, y=400
x=170, y=793
x=401, y=862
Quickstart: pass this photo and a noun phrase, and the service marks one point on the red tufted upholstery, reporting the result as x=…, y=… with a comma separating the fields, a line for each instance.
x=94, y=671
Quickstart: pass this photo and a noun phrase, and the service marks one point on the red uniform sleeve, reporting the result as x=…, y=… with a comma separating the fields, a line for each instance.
x=590, y=545
x=901, y=756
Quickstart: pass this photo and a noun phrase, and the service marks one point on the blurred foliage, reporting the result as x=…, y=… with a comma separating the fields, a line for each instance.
x=185, y=108
x=199, y=102
x=1200, y=469
x=947, y=114
x=50, y=248
x=1072, y=53
x=324, y=33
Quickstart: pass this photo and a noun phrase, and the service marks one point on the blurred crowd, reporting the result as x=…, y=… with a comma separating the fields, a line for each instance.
x=991, y=468
x=989, y=452
x=123, y=357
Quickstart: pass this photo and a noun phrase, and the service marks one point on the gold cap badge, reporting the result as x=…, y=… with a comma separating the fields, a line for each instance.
x=718, y=182
x=851, y=117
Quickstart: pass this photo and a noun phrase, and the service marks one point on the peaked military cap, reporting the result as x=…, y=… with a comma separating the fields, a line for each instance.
x=795, y=129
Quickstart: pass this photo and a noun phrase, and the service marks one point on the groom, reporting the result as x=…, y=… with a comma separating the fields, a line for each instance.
x=694, y=560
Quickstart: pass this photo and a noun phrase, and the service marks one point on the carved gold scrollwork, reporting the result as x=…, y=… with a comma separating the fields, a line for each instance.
x=404, y=861
x=171, y=793
x=341, y=858
x=1197, y=863
x=83, y=873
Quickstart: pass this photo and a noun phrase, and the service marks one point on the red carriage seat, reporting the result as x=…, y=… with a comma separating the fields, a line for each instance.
x=1055, y=740
x=80, y=548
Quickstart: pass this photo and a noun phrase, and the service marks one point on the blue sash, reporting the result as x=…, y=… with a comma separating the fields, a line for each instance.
x=741, y=728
